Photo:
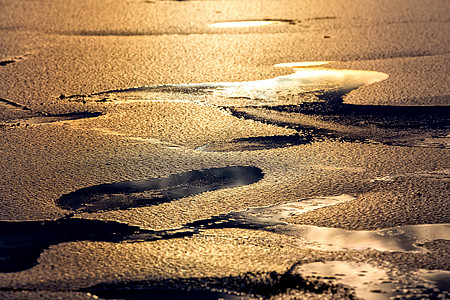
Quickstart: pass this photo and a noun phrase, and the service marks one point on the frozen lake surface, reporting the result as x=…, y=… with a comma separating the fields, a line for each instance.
x=224, y=149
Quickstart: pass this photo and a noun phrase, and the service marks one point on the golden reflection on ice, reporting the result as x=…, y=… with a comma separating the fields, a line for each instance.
x=238, y=24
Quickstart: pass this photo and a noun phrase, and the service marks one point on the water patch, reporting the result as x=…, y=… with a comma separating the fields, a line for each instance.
x=282, y=90
x=304, y=85
x=146, y=192
x=372, y=283
x=309, y=83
